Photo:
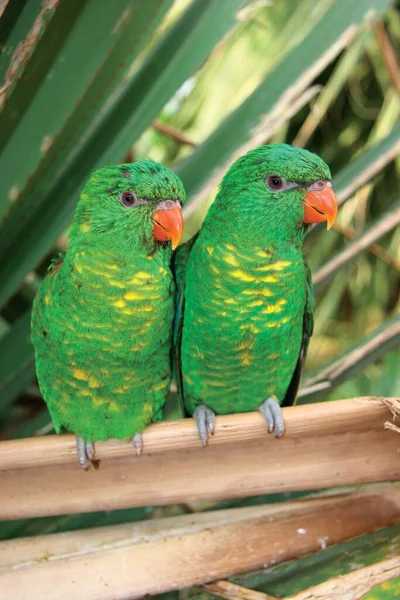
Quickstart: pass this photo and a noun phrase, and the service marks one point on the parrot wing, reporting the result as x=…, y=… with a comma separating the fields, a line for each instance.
x=180, y=261
x=308, y=326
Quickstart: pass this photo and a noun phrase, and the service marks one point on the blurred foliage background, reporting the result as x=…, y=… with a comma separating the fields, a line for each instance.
x=193, y=84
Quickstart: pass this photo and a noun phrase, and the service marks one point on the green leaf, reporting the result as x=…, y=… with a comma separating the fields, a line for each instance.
x=280, y=87
x=37, y=219
x=17, y=367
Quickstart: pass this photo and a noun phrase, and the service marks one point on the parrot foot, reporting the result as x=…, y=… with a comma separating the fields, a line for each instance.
x=272, y=412
x=205, y=421
x=85, y=452
x=137, y=442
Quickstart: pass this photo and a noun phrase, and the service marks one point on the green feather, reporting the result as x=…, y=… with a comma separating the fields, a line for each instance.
x=102, y=320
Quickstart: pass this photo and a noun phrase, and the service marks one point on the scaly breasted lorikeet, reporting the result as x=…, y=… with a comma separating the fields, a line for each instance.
x=245, y=302
x=102, y=319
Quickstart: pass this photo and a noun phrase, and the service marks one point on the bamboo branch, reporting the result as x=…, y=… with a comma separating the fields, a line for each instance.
x=232, y=591
x=375, y=249
x=388, y=55
x=151, y=557
x=175, y=468
x=351, y=586
x=173, y=132
x=323, y=275
x=366, y=351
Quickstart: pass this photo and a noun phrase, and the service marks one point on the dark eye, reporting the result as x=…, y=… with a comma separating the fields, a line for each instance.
x=127, y=199
x=274, y=182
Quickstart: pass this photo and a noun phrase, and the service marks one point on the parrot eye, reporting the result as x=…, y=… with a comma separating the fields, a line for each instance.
x=274, y=182
x=128, y=199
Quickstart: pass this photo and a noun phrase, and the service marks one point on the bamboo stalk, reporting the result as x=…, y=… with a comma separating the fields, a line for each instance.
x=325, y=273
x=329, y=444
x=327, y=418
x=351, y=586
x=131, y=560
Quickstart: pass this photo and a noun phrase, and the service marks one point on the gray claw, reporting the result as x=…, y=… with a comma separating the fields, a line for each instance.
x=85, y=452
x=273, y=415
x=137, y=442
x=205, y=421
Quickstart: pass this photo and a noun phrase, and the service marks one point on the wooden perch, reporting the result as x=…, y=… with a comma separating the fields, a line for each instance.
x=326, y=445
x=132, y=560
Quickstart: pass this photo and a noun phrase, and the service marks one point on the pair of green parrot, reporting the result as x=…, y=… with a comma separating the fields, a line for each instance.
x=236, y=302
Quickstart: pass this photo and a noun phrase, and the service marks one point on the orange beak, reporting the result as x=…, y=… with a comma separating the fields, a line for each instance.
x=321, y=205
x=168, y=223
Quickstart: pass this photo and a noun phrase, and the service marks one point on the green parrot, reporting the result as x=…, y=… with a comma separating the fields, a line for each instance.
x=102, y=318
x=245, y=299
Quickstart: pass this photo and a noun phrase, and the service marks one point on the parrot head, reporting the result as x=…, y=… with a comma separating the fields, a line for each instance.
x=279, y=184
x=131, y=205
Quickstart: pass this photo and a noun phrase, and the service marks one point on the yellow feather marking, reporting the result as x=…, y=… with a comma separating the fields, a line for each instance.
x=272, y=308
x=231, y=260
x=133, y=296
x=138, y=347
x=120, y=390
x=85, y=393
x=99, y=401
x=188, y=379
x=128, y=311
x=114, y=406
x=159, y=386
x=258, y=292
x=47, y=300
x=246, y=360
x=255, y=303
x=264, y=253
x=148, y=409
x=239, y=274
x=80, y=374
x=210, y=250
x=84, y=227
x=116, y=283
x=229, y=247
x=215, y=269
x=119, y=303
x=273, y=356
x=142, y=275
x=278, y=266
x=285, y=320
x=246, y=344
x=79, y=268
x=112, y=266
x=250, y=327
x=215, y=383
x=70, y=352
x=267, y=279
x=230, y=301
x=73, y=384
x=93, y=383
x=163, y=271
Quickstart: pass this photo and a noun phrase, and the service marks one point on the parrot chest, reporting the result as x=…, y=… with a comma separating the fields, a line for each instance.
x=102, y=335
x=116, y=307
x=247, y=312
